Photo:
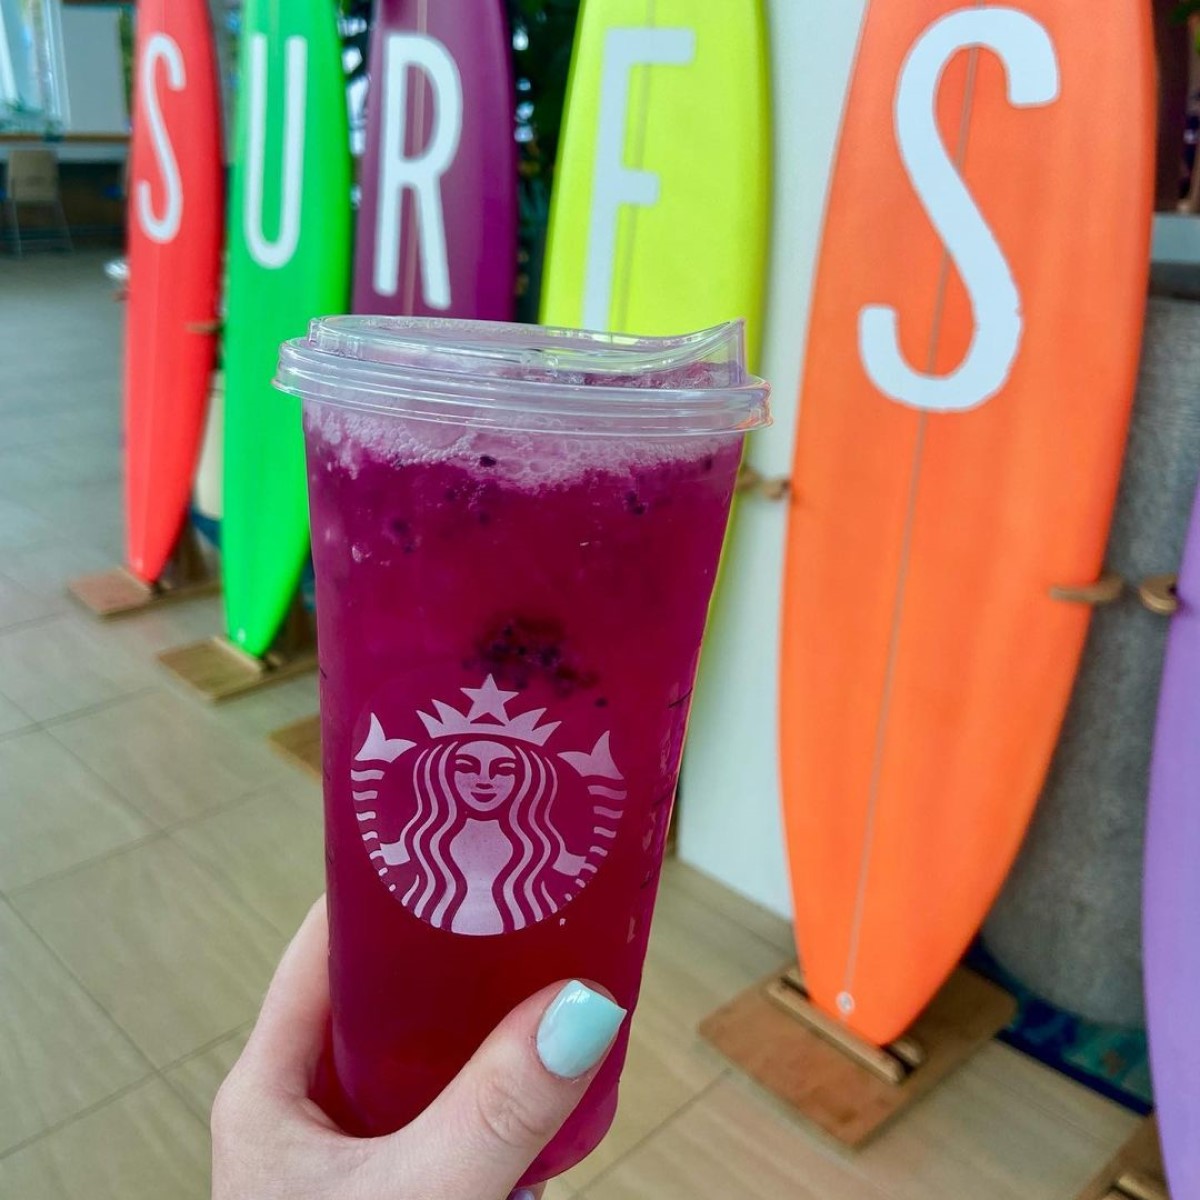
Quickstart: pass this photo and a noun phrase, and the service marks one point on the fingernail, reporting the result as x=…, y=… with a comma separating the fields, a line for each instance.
x=523, y=1194
x=576, y=1030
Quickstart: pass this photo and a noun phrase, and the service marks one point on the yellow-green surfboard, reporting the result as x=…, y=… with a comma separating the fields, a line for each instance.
x=661, y=206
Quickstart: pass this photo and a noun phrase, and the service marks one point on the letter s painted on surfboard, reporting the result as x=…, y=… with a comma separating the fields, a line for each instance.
x=422, y=172
x=273, y=254
x=161, y=47
x=614, y=184
x=1028, y=54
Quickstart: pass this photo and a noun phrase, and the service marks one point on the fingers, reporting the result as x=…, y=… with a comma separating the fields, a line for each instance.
x=287, y=1040
x=481, y=1134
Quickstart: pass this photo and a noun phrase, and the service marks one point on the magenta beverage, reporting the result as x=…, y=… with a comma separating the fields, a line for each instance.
x=516, y=533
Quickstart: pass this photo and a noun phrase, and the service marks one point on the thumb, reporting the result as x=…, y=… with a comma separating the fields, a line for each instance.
x=481, y=1134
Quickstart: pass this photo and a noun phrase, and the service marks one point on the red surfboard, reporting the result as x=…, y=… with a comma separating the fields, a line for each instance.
x=176, y=223
x=437, y=231
x=972, y=355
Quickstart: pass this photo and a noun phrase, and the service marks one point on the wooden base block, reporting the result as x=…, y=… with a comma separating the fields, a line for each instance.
x=845, y=1089
x=1135, y=1172
x=218, y=670
x=119, y=593
x=300, y=743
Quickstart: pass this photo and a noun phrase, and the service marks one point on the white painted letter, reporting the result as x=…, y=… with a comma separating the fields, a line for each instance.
x=164, y=228
x=1028, y=54
x=277, y=253
x=614, y=184
x=422, y=173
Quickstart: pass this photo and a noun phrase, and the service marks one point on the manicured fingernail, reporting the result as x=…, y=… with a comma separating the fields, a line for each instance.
x=576, y=1030
x=523, y=1194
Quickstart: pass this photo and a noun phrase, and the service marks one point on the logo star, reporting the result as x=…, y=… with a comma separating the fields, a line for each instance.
x=489, y=701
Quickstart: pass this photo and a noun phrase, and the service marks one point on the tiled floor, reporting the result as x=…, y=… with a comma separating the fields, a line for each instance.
x=154, y=855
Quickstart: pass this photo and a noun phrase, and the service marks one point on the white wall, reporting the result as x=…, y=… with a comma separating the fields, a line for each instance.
x=730, y=811
x=95, y=85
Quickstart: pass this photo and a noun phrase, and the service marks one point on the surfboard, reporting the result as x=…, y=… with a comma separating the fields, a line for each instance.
x=1171, y=932
x=970, y=368
x=176, y=226
x=289, y=260
x=437, y=230
x=660, y=210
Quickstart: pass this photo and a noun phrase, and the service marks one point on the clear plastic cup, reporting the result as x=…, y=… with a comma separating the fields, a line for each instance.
x=516, y=533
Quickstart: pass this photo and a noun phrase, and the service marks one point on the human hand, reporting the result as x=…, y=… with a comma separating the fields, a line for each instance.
x=271, y=1142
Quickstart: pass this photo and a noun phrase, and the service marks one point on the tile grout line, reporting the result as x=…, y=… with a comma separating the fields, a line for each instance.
x=668, y=1120
x=58, y=958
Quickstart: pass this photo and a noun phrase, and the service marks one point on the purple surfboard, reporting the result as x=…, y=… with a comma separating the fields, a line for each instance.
x=437, y=230
x=1172, y=889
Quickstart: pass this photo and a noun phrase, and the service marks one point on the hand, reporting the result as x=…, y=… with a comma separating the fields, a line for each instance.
x=271, y=1142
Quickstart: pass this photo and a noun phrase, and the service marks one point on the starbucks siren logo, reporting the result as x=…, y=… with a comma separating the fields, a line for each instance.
x=481, y=829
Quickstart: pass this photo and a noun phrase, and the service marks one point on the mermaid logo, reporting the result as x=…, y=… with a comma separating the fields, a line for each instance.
x=488, y=830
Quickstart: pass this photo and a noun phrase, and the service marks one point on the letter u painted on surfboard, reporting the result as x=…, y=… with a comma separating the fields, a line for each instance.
x=273, y=253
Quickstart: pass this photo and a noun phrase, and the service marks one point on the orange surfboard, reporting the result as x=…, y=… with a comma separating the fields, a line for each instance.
x=971, y=365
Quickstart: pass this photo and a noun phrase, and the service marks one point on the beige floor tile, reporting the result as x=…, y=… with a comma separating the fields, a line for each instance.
x=167, y=627
x=45, y=570
x=18, y=605
x=79, y=460
x=54, y=813
x=59, y=1053
x=168, y=756
x=197, y=1078
x=972, y=1137
x=697, y=886
x=261, y=713
x=268, y=849
x=12, y=719
x=145, y=1145
x=59, y=667
x=698, y=959
x=21, y=526
x=730, y=1146
x=1054, y=1094
x=174, y=958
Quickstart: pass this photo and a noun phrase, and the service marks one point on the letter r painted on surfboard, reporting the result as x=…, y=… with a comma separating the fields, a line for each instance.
x=1028, y=54
x=277, y=252
x=421, y=173
x=160, y=47
x=614, y=184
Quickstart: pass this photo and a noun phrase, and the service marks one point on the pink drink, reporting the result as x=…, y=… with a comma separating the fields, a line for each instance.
x=509, y=625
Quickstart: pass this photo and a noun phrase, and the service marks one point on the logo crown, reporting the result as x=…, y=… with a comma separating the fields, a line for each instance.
x=488, y=714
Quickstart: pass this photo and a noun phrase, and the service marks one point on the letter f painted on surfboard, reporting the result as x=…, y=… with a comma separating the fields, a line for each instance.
x=614, y=184
x=1028, y=54
x=277, y=252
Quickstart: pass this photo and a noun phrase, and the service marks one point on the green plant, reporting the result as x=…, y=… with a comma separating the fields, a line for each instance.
x=543, y=34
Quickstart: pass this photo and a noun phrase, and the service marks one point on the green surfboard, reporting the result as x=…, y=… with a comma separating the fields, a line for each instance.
x=289, y=261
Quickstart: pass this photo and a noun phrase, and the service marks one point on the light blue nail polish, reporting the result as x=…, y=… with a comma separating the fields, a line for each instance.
x=576, y=1030
x=523, y=1194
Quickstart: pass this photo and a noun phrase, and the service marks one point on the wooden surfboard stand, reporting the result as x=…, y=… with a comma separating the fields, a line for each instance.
x=119, y=593
x=1135, y=1172
x=219, y=670
x=847, y=1087
x=300, y=743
